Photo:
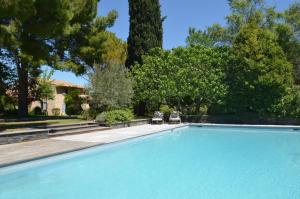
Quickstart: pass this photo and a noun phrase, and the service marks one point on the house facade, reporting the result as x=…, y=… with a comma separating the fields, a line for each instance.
x=57, y=106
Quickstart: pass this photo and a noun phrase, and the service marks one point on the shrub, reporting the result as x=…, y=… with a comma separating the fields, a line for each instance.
x=289, y=105
x=37, y=111
x=203, y=110
x=56, y=111
x=89, y=114
x=111, y=88
x=101, y=118
x=166, y=110
x=73, y=102
x=112, y=117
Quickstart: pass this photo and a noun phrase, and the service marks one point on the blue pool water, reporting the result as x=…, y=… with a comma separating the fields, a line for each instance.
x=191, y=163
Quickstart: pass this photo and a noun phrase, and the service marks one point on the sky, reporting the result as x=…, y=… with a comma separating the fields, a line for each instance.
x=181, y=14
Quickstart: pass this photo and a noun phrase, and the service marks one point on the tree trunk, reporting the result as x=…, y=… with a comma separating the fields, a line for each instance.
x=22, y=90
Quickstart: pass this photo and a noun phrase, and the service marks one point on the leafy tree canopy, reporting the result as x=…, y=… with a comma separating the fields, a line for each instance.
x=45, y=88
x=64, y=34
x=286, y=26
x=183, y=77
x=259, y=74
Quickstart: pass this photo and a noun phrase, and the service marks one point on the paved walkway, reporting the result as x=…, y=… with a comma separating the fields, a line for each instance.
x=20, y=152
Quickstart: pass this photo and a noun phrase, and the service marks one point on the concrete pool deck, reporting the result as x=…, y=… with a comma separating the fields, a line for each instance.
x=26, y=151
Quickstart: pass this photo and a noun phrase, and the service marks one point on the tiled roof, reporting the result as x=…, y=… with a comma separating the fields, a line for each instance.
x=65, y=84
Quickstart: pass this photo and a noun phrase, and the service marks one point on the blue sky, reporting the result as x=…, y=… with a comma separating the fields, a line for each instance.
x=180, y=16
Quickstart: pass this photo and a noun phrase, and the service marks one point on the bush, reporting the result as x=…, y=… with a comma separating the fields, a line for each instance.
x=37, y=111
x=101, y=118
x=289, y=105
x=112, y=117
x=166, y=110
x=73, y=103
x=90, y=114
x=203, y=110
x=111, y=87
x=56, y=111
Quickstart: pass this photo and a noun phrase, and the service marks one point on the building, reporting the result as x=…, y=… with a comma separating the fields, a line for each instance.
x=57, y=106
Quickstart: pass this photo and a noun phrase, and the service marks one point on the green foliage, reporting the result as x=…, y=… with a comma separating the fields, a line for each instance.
x=115, y=50
x=73, y=102
x=7, y=78
x=166, y=110
x=101, y=118
x=90, y=114
x=182, y=77
x=292, y=16
x=146, y=31
x=212, y=36
x=289, y=105
x=37, y=111
x=112, y=117
x=242, y=12
x=111, y=87
x=63, y=34
x=91, y=45
x=289, y=37
x=259, y=74
x=45, y=89
x=264, y=43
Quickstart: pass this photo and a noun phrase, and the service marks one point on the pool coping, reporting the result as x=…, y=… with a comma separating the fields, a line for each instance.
x=246, y=126
x=151, y=133
x=97, y=144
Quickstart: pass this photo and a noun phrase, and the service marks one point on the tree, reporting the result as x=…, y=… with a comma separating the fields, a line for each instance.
x=87, y=47
x=45, y=90
x=214, y=35
x=289, y=37
x=73, y=102
x=7, y=78
x=7, y=84
x=146, y=31
x=115, y=50
x=52, y=32
x=259, y=74
x=111, y=87
x=286, y=25
x=106, y=90
x=242, y=12
x=183, y=77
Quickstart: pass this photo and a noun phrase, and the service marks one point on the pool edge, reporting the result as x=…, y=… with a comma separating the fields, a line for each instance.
x=145, y=135
x=86, y=147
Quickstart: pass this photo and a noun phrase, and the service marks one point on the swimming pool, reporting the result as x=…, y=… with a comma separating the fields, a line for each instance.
x=190, y=162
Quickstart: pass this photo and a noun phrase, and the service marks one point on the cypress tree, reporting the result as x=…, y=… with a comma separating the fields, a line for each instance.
x=146, y=31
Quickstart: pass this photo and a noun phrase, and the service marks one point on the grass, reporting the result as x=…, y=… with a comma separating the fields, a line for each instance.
x=16, y=126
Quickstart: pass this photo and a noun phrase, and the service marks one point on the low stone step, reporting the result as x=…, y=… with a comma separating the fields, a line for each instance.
x=77, y=131
x=74, y=127
x=52, y=126
x=21, y=136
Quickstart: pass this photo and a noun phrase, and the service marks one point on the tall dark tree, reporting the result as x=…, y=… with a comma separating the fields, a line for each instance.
x=146, y=31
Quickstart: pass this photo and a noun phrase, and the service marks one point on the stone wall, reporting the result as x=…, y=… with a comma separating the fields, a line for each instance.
x=9, y=138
